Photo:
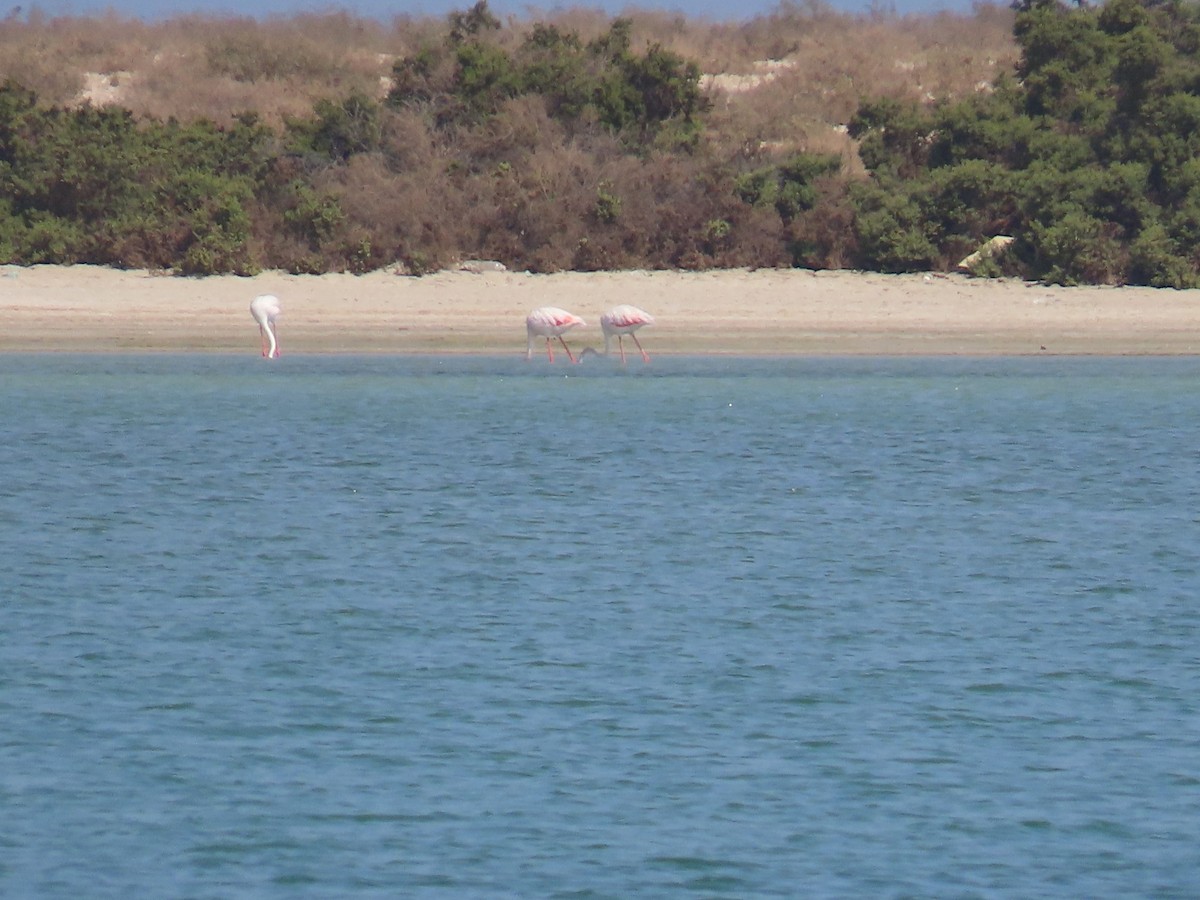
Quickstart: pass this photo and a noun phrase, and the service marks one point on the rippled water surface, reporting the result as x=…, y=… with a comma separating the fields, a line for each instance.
x=430, y=627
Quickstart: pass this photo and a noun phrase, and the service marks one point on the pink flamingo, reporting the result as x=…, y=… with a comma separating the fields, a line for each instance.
x=550, y=322
x=265, y=309
x=624, y=320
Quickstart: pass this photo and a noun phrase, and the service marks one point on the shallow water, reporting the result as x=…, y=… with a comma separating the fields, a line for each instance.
x=359, y=627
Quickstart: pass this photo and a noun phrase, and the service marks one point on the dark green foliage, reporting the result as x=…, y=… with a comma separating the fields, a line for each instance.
x=217, y=222
x=472, y=23
x=553, y=71
x=650, y=100
x=414, y=78
x=1088, y=157
x=791, y=187
x=93, y=185
x=315, y=218
x=1155, y=259
x=892, y=229
x=339, y=130
x=985, y=127
x=896, y=137
x=805, y=194
x=1077, y=248
x=798, y=176
x=974, y=197
x=485, y=77
x=661, y=89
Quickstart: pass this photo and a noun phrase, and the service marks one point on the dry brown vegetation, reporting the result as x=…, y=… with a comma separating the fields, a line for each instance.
x=519, y=187
x=804, y=67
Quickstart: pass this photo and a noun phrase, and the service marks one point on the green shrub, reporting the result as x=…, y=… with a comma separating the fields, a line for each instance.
x=1155, y=260
x=50, y=240
x=1078, y=248
x=892, y=231
x=607, y=208
x=342, y=129
x=315, y=218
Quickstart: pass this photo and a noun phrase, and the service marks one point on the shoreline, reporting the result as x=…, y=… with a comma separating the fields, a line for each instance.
x=766, y=312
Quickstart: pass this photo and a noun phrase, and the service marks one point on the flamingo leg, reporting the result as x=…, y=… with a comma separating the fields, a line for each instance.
x=262, y=337
x=570, y=355
x=645, y=355
x=621, y=347
x=549, y=350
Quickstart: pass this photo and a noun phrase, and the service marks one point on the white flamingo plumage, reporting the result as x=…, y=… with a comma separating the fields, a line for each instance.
x=624, y=320
x=265, y=309
x=550, y=322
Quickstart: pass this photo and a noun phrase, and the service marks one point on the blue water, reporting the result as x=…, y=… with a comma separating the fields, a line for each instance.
x=428, y=627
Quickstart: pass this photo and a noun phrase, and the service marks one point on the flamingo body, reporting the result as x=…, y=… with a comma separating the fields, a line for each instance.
x=624, y=320
x=265, y=309
x=550, y=322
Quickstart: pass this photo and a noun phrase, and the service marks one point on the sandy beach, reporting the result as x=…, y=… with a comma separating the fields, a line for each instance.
x=765, y=312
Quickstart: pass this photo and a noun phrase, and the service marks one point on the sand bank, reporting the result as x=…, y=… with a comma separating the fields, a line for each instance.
x=788, y=312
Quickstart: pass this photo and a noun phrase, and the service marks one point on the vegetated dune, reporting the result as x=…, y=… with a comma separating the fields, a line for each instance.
x=802, y=68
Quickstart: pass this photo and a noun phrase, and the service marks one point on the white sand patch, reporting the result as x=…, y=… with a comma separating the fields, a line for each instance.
x=104, y=88
x=765, y=71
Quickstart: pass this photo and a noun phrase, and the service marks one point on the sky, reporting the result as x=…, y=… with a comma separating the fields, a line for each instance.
x=720, y=10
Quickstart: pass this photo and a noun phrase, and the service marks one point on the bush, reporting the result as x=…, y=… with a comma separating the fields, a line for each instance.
x=892, y=231
x=1078, y=248
x=48, y=239
x=339, y=129
x=217, y=221
x=1155, y=260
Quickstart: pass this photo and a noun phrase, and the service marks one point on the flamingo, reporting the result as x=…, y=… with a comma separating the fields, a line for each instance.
x=550, y=322
x=265, y=309
x=624, y=320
